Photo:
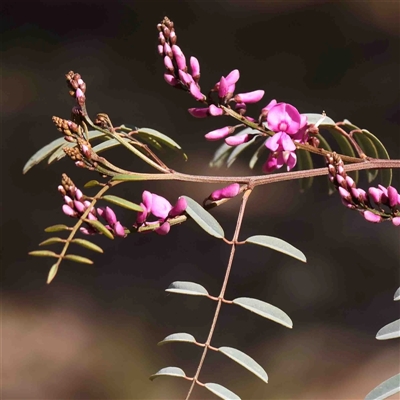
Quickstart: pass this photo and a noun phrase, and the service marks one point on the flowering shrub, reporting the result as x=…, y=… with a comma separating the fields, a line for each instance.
x=292, y=138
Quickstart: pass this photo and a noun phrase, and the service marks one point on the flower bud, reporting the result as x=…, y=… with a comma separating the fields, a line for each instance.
x=249, y=97
x=220, y=133
x=226, y=192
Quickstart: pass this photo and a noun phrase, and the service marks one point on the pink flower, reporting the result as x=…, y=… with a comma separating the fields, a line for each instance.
x=284, y=117
x=161, y=208
x=226, y=192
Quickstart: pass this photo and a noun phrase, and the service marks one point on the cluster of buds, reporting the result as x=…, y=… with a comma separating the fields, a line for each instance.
x=177, y=75
x=77, y=87
x=82, y=153
x=357, y=199
x=76, y=204
x=162, y=209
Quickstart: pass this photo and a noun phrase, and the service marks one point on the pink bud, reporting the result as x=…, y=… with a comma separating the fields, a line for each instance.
x=179, y=208
x=344, y=193
x=109, y=216
x=67, y=210
x=61, y=189
x=68, y=201
x=168, y=64
x=199, y=112
x=171, y=80
x=372, y=217
x=232, y=77
x=179, y=57
x=223, y=88
x=340, y=180
x=376, y=194
x=392, y=196
x=215, y=111
x=195, y=92
x=186, y=78
x=195, y=67
x=119, y=229
x=167, y=50
x=160, y=206
x=226, y=192
x=396, y=221
x=78, y=194
x=163, y=229
x=250, y=97
x=160, y=49
x=269, y=106
x=79, y=206
x=237, y=140
x=220, y=133
x=350, y=182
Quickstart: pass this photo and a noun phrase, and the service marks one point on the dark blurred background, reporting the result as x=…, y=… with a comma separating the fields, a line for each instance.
x=92, y=333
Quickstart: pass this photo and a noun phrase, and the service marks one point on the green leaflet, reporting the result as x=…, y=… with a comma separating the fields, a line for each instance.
x=203, y=218
x=119, y=201
x=178, y=337
x=169, y=371
x=191, y=288
x=245, y=361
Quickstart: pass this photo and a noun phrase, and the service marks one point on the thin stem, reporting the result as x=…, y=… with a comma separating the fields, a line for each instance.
x=258, y=180
x=223, y=289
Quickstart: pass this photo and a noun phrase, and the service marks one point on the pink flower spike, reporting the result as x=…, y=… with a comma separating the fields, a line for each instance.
x=284, y=117
x=195, y=68
x=119, y=229
x=226, y=193
x=219, y=133
x=67, y=210
x=160, y=206
x=396, y=221
x=199, y=112
x=372, y=217
x=237, y=140
x=163, y=229
x=250, y=97
x=196, y=93
x=179, y=207
x=223, y=88
x=232, y=77
x=171, y=80
x=393, y=196
x=179, y=57
x=215, y=111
